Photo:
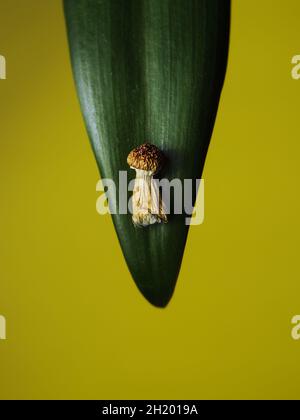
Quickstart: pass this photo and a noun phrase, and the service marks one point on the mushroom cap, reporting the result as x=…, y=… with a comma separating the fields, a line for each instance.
x=146, y=157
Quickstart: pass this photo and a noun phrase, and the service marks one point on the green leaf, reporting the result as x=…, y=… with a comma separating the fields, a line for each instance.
x=150, y=70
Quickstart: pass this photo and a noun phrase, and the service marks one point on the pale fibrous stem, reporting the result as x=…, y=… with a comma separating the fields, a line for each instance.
x=147, y=205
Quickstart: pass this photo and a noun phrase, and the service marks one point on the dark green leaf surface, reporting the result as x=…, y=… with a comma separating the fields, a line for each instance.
x=150, y=70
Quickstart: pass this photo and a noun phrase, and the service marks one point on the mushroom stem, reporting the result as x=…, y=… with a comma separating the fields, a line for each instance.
x=147, y=205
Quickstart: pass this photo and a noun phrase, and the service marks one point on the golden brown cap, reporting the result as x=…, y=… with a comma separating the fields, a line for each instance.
x=146, y=157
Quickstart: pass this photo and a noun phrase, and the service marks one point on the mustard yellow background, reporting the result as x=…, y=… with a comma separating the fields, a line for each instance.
x=76, y=325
